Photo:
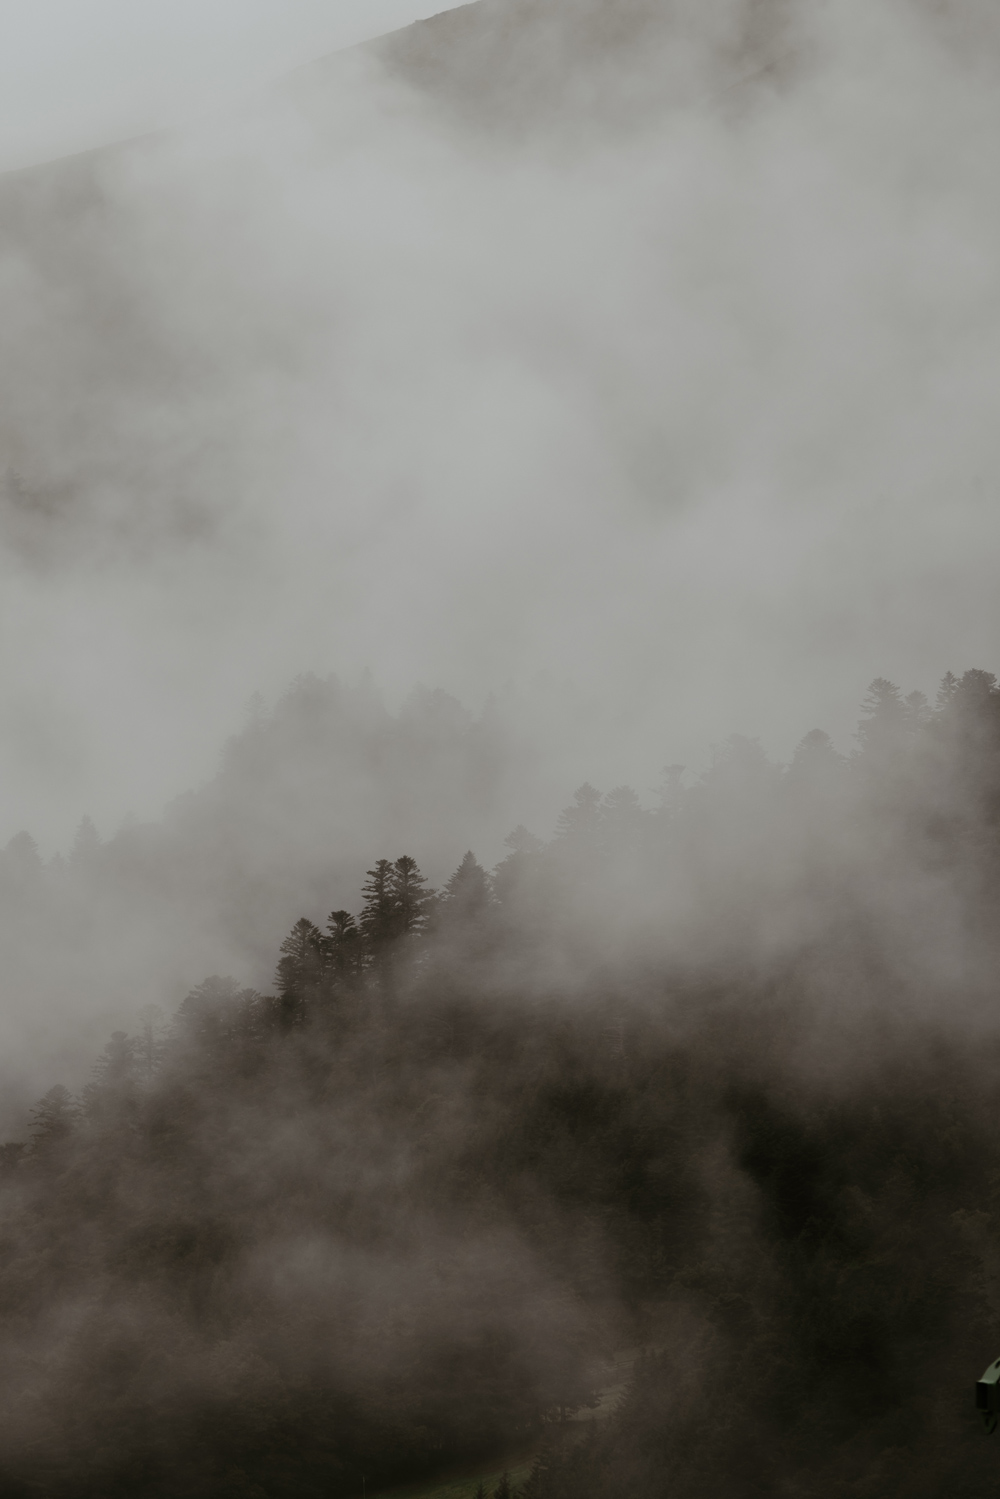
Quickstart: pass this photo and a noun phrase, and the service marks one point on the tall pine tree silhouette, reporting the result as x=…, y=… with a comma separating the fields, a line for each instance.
x=412, y=902
x=378, y=927
x=299, y=971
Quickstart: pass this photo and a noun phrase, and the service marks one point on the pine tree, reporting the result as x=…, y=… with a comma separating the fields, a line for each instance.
x=299, y=970
x=343, y=948
x=815, y=762
x=580, y=824
x=977, y=687
x=468, y=894
x=378, y=925
x=149, y=1044
x=112, y=1093
x=411, y=902
x=218, y=1016
x=465, y=912
x=917, y=711
x=53, y=1119
x=517, y=878
x=882, y=729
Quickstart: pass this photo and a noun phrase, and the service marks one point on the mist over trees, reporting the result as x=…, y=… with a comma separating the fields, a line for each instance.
x=367, y=1115
x=715, y=1079
x=286, y=824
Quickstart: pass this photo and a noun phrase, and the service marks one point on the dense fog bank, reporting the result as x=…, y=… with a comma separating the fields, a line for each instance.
x=650, y=346
x=627, y=371
x=717, y=1078
x=95, y=937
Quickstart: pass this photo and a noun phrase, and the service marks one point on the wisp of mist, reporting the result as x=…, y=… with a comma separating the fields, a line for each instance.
x=548, y=396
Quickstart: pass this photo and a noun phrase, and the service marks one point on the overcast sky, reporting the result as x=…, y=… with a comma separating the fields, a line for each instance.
x=80, y=73
x=695, y=419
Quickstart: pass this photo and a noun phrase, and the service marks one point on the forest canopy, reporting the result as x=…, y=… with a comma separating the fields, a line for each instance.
x=715, y=1080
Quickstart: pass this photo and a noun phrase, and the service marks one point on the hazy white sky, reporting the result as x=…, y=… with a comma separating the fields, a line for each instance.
x=79, y=73
x=659, y=414
x=696, y=419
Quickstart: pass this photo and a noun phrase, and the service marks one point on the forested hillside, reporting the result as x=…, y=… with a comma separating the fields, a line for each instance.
x=132, y=920
x=719, y=1079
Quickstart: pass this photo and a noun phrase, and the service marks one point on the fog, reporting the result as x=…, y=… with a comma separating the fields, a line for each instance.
x=687, y=407
x=551, y=393
x=78, y=74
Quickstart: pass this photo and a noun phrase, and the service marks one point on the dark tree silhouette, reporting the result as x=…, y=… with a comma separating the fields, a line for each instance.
x=299, y=971
x=411, y=902
x=53, y=1119
x=378, y=914
x=111, y=1097
x=722, y=1096
x=885, y=722
x=345, y=956
x=468, y=893
x=580, y=824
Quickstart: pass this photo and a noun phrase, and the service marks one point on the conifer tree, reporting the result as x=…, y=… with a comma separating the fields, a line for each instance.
x=979, y=687
x=917, y=711
x=218, y=1015
x=112, y=1092
x=468, y=894
x=520, y=869
x=882, y=729
x=580, y=824
x=149, y=1044
x=378, y=926
x=53, y=1119
x=299, y=970
x=816, y=763
x=465, y=911
x=410, y=900
x=343, y=948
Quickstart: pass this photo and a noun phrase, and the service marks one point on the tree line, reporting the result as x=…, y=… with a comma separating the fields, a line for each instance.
x=718, y=1078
